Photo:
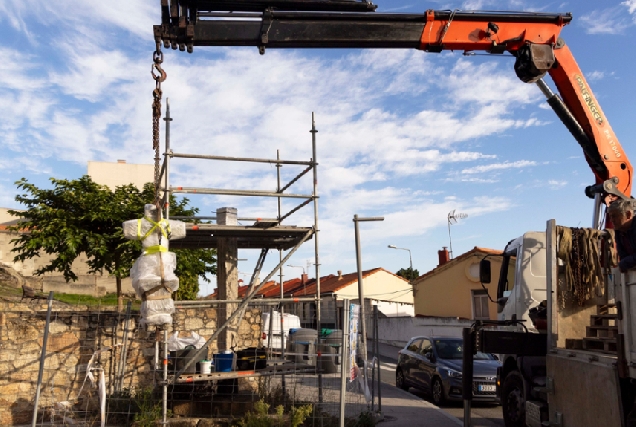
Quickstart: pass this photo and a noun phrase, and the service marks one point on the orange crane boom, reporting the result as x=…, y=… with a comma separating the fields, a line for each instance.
x=533, y=38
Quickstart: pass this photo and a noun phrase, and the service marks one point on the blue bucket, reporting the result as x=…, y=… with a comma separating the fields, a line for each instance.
x=223, y=362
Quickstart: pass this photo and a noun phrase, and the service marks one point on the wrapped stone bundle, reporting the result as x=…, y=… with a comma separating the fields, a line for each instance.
x=144, y=272
x=152, y=274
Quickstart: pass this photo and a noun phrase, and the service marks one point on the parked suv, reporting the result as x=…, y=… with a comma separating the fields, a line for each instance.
x=434, y=365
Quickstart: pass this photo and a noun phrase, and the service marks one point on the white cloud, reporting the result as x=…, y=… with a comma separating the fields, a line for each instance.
x=499, y=166
x=476, y=4
x=607, y=21
x=557, y=184
x=599, y=75
x=135, y=17
x=631, y=6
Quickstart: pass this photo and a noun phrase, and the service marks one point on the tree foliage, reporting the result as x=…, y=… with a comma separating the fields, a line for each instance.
x=408, y=273
x=81, y=216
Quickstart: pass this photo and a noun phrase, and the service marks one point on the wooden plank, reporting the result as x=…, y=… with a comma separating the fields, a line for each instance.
x=269, y=371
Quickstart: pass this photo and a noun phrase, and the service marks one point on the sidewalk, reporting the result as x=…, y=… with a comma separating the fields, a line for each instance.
x=401, y=408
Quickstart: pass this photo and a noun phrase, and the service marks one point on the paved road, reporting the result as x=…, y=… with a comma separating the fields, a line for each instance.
x=482, y=415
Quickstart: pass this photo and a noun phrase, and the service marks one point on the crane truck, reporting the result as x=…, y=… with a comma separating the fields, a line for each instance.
x=555, y=378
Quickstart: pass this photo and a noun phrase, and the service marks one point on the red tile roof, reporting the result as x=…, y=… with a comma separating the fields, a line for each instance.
x=296, y=287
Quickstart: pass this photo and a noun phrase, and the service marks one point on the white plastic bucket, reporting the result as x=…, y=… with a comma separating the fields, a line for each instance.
x=205, y=366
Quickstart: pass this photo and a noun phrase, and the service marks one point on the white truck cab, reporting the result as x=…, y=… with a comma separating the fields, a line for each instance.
x=522, y=280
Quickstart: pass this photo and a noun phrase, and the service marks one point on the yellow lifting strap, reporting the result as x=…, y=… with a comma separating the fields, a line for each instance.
x=164, y=230
x=164, y=227
x=155, y=249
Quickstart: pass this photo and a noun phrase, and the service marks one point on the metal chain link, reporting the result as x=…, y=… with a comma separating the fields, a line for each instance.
x=157, y=58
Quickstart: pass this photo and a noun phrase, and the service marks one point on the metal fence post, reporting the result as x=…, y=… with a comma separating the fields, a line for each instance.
x=165, y=376
x=377, y=352
x=344, y=360
x=42, y=359
x=467, y=373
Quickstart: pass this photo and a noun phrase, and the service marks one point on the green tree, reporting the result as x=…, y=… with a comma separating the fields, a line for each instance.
x=81, y=216
x=408, y=273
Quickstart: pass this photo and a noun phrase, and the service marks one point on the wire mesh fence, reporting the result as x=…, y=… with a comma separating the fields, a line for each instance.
x=101, y=365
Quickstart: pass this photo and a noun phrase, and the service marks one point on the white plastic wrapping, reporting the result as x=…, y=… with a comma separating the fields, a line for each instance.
x=146, y=270
x=154, y=307
x=159, y=319
x=175, y=342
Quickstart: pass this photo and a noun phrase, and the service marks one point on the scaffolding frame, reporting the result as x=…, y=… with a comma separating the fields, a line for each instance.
x=264, y=234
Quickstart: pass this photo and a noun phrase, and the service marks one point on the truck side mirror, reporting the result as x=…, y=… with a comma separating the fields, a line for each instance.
x=484, y=271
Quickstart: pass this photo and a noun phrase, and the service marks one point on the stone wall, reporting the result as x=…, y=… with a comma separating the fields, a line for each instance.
x=75, y=334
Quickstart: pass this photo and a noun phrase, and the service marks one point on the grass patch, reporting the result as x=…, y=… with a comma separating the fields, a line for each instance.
x=71, y=299
x=109, y=299
x=9, y=291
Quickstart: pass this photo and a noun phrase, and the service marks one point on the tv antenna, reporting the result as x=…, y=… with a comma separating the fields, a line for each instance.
x=452, y=219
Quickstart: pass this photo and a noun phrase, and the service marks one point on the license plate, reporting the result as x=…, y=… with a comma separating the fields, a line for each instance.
x=487, y=388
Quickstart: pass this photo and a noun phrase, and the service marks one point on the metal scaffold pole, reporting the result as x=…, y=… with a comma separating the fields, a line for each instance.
x=42, y=359
x=344, y=360
x=282, y=290
x=314, y=131
x=165, y=376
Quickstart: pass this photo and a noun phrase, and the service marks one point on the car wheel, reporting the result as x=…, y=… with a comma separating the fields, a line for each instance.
x=400, y=381
x=513, y=401
x=437, y=391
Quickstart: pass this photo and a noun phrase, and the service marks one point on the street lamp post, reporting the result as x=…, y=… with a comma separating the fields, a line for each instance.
x=297, y=266
x=410, y=258
x=363, y=329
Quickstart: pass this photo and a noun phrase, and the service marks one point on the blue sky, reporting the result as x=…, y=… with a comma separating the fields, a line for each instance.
x=403, y=134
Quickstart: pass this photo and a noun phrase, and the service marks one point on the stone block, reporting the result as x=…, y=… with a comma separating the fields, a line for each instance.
x=244, y=328
x=6, y=356
x=63, y=342
x=27, y=363
x=182, y=408
x=57, y=327
x=186, y=422
x=15, y=388
x=52, y=361
x=6, y=417
x=193, y=324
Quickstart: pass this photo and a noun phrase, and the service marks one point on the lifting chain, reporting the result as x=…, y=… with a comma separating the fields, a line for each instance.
x=157, y=59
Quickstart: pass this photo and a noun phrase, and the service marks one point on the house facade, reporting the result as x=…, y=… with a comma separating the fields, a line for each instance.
x=452, y=289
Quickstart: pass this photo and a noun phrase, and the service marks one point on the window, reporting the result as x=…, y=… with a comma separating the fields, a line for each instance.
x=480, y=305
x=414, y=346
x=426, y=347
x=511, y=274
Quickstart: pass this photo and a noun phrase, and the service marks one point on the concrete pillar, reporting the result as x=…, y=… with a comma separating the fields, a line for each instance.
x=227, y=279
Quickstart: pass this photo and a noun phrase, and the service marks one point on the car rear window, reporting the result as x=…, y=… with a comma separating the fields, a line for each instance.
x=453, y=349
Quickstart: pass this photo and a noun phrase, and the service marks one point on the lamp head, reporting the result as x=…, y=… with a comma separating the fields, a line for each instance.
x=392, y=246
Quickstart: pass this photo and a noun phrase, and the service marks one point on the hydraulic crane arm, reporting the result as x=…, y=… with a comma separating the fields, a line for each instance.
x=533, y=38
